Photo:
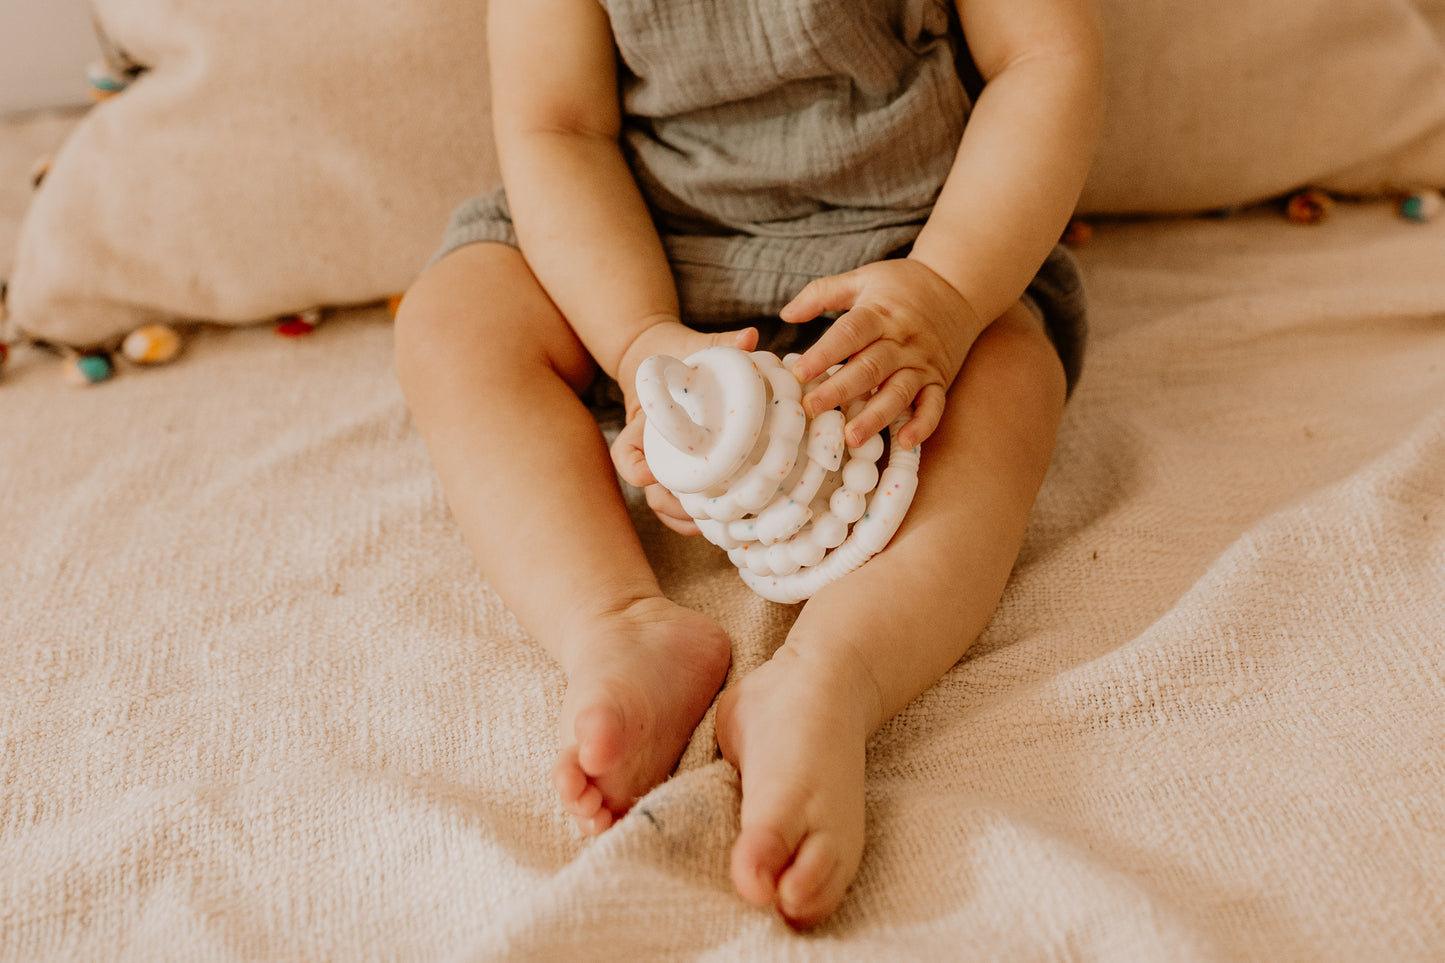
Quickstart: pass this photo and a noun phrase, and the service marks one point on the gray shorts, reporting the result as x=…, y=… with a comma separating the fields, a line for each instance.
x=725, y=283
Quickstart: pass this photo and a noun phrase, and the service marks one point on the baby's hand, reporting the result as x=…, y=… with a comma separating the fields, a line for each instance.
x=667, y=335
x=632, y=467
x=905, y=332
x=675, y=339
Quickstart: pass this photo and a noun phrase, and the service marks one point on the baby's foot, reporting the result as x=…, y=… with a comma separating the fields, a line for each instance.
x=798, y=741
x=636, y=690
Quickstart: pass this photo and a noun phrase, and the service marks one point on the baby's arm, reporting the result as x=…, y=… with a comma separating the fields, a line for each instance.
x=1029, y=144
x=1011, y=191
x=580, y=218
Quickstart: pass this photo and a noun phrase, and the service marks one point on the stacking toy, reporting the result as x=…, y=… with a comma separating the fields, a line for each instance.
x=794, y=506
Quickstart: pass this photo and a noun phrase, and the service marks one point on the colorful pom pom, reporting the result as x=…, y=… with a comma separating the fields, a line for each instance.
x=90, y=369
x=1078, y=233
x=299, y=325
x=104, y=81
x=1422, y=207
x=152, y=344
x=1309, y=206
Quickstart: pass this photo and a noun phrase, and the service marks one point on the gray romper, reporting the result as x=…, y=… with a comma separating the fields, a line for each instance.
x=778, y=141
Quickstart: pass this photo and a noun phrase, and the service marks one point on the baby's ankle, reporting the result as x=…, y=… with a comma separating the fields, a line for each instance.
x=837, y=672
x=578, y=622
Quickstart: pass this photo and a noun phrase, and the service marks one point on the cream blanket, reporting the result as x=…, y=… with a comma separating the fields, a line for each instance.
x=255, y=703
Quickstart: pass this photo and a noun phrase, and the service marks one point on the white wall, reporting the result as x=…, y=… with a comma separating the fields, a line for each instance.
x=44, y=47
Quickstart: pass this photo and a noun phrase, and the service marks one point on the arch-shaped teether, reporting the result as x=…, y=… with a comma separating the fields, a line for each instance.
x=792, y=504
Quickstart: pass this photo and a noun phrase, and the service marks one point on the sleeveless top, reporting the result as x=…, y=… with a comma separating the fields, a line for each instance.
x=778, y=141
x=786, y=139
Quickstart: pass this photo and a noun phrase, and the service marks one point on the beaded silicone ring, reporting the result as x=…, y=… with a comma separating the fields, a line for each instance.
x=794, y=506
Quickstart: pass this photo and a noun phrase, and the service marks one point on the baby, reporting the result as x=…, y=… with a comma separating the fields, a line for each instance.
x=843, y=178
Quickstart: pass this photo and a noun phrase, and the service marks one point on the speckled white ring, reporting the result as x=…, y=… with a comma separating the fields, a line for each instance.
x=703, y=417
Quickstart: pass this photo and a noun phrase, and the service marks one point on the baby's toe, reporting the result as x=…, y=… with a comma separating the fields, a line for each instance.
x=586, y=805
x=575, y=791
x=814, y=884
x=598, y=823
x=602, y=733
x=567, y=777
x=759, y=857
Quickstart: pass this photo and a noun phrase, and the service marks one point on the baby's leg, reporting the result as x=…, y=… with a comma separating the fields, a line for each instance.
x=490, y=370
x=866, y=645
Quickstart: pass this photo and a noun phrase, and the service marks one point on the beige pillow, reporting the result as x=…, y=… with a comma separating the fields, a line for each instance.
x=275, y=156
x=281, y=155
x=1227, y=103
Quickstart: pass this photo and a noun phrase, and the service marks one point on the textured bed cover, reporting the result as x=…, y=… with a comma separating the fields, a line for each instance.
x=255, y=703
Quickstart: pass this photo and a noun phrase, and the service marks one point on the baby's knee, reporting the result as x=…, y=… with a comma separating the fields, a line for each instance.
x=481, y=310
x=1023, y=358
x=430, y=321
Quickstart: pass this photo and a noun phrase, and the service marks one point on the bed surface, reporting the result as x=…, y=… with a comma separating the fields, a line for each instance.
x=256, y=703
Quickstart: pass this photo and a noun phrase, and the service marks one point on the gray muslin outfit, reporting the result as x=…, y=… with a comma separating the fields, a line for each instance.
x=778, y=141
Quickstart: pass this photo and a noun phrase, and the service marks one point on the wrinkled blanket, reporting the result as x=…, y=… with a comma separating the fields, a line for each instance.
x=255, y=703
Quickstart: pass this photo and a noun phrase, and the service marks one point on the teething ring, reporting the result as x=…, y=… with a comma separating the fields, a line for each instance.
x=793, y=506
x=703, y=415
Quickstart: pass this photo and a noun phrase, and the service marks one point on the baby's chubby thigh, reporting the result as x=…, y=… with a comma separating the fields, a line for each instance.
x=1004, y=407
x=912, y=611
